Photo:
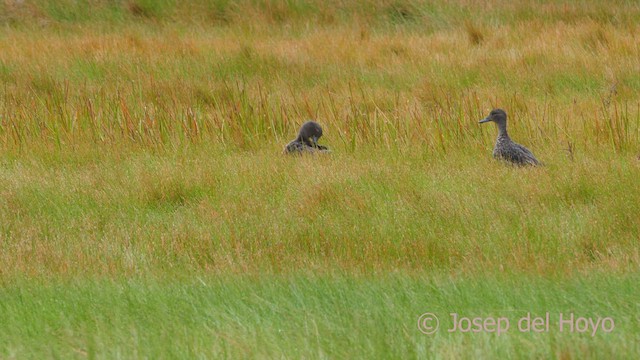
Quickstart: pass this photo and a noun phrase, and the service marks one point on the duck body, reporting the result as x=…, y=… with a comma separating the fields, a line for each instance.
x=298, y=147
x=512, y=152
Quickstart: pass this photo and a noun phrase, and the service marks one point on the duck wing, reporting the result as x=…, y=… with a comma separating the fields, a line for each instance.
x=514, y=153
x=524, y=156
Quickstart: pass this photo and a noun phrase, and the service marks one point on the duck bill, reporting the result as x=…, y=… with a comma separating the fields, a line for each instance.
x=487, y=119
x=315, y=140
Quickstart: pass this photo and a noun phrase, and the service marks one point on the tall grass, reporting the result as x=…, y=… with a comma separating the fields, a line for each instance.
x=563, y=78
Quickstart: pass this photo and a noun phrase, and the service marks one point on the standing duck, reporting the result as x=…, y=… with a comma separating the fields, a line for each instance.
x=505, y=148
x=307, y=140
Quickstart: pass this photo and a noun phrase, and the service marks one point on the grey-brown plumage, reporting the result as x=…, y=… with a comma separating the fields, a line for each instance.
x=307, y=140
x=505, y=148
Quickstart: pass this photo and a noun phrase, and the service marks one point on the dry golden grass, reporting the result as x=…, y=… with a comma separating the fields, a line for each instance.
x=567, y=81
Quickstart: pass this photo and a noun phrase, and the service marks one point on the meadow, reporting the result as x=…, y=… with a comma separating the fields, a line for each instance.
x=147, y=210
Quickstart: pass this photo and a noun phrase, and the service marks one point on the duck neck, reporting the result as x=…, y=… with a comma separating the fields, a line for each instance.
x=502, y=130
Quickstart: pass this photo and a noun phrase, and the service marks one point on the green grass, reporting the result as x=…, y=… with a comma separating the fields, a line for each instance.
x=146, y=209
x=198, y=209
x=313, y=317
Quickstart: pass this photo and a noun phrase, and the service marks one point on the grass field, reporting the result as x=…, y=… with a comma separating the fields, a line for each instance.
x=146, y=210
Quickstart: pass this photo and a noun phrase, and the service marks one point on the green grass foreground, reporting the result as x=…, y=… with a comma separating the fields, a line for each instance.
x=313, y=317
x=146, y=210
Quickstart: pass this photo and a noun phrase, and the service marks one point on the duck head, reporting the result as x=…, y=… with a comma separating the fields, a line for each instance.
x=309, y=133
x=498, y=116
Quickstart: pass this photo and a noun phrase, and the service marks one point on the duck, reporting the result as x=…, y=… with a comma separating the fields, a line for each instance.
x=307, y=140
x=505, y=148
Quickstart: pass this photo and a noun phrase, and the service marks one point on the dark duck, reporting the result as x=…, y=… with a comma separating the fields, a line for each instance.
x=307, y=140
x=506, y=149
